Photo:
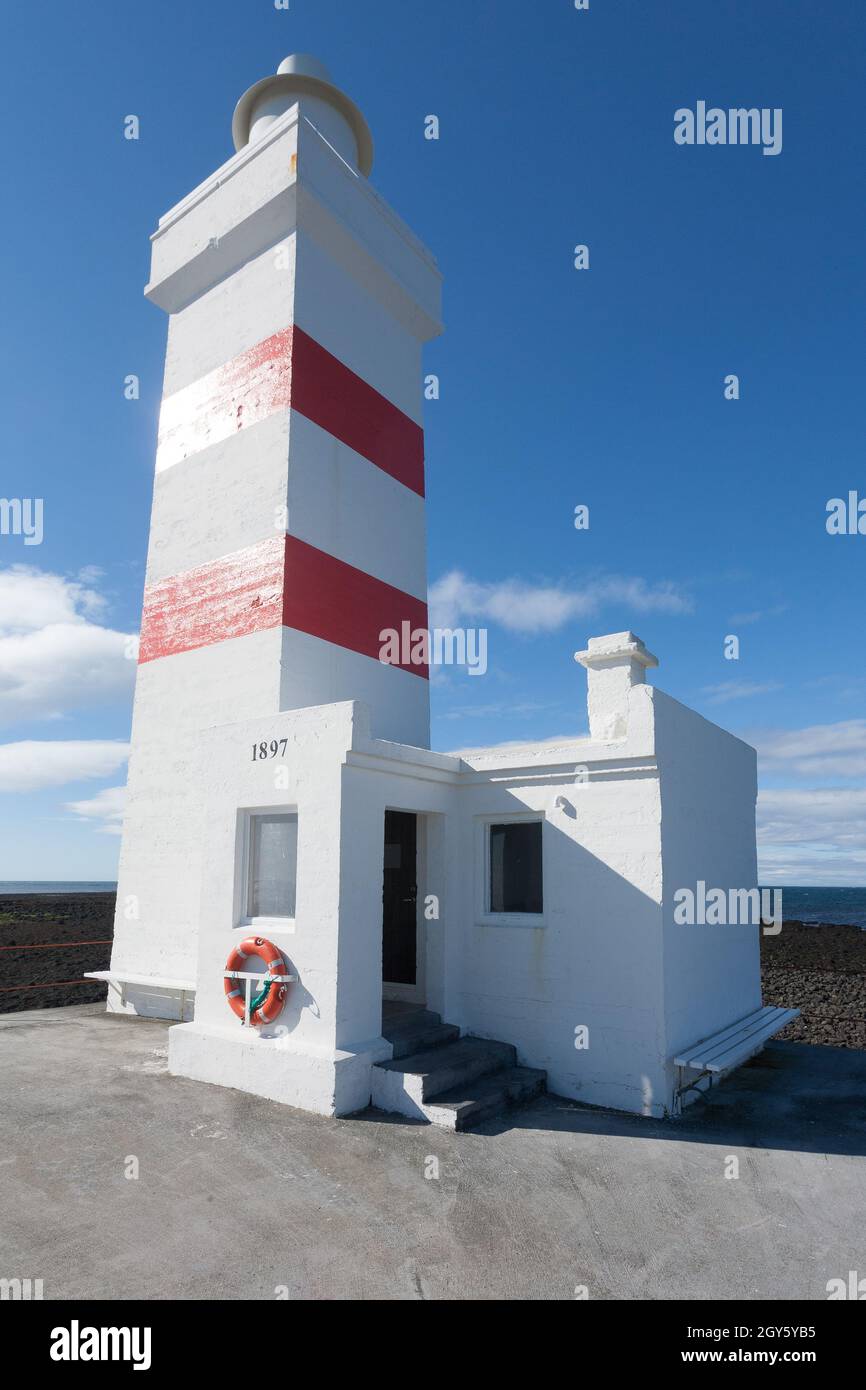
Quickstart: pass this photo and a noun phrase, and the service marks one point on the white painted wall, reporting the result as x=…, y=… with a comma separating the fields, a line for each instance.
x=341, y=300
x=709, y=786
x=240, y=310
x=164, y=832
x=399, y=701
x=222, y=500
x=595, y=959
x=302, y=1059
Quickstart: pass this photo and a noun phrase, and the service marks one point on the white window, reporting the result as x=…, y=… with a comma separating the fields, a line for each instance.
x=272, y=866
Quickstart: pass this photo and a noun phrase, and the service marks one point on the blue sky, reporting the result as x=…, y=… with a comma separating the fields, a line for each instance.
x=559, y=387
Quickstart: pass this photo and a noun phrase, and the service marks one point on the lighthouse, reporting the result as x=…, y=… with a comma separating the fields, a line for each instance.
x=442, y=934
x=288, y=526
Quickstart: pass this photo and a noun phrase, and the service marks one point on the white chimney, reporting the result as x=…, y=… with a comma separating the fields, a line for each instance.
x=614, y=664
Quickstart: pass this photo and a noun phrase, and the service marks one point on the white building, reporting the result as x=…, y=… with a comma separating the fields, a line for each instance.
x=281, y=782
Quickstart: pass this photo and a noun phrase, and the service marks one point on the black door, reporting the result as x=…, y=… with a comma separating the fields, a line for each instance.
x=399, y=896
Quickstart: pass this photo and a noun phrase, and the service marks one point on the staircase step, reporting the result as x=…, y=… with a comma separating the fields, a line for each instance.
x=405, y=1084
x=485, y=1097
x=415, y=1037
x=438, y=1069
x=396, y=1014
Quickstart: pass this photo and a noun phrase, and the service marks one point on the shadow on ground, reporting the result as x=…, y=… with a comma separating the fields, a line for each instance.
x=792, y=1096
x=120, y=1181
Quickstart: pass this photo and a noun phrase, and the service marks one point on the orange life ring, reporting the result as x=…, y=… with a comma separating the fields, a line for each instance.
x=275, y=997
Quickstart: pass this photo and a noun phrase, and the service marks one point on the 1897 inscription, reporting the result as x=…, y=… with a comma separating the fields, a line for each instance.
x=269, y=750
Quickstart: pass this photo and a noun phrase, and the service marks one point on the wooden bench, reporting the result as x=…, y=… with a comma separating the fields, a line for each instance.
x=714, y=1056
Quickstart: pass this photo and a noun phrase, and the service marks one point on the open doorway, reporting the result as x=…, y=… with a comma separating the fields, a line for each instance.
x=401, y=964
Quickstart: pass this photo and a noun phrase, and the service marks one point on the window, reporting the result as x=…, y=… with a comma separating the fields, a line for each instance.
x=273, y=860
x=515, y=868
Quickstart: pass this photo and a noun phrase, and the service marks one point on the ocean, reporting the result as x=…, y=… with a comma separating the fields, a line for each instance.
x=60, y=886
x=839, y=905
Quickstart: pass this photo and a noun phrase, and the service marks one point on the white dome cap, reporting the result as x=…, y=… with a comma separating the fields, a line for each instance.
x=298, y=76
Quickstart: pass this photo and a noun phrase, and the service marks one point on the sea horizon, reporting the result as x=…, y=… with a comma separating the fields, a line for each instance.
x=58, y=885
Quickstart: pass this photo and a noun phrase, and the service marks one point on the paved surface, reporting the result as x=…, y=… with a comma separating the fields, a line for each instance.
x=238, y=1196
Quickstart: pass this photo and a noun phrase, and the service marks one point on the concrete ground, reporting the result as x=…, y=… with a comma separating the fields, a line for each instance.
x=238, y=1197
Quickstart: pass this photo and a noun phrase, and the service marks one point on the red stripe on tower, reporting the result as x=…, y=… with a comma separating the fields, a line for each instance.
x=291, y=369
x=279, y=582
x=330, y=599
x=333, y=397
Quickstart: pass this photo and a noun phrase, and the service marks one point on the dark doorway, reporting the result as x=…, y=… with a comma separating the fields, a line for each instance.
x=399, y=899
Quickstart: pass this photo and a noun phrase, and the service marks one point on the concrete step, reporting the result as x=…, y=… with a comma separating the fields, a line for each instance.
x=468, y=1105
x=417, y=1040
x=405, y=1085
x=419, y=1032
x=396, y=1013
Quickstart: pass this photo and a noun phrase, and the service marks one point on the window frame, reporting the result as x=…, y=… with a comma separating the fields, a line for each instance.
x=243, y=916
x=507, y=919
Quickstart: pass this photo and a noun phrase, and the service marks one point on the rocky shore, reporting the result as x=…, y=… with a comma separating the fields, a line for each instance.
x=52, y=922
x=819, y=970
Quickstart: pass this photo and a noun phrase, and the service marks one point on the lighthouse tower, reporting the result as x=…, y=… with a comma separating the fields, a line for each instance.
x=288, y=525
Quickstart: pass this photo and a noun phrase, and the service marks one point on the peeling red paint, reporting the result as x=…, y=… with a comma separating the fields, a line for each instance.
x=290, y=369
x=280, y=581
x=230, y=597
x=244, y=391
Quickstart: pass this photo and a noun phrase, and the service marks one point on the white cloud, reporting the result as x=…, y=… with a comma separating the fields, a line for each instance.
x=530, y=608
x=812, y=836
x=737, y=690
x=106, y=807
x=55, y=656
x=89, y=574
x=820, y=752
x=31, y=765
x=31, y=599
x=758, y=615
